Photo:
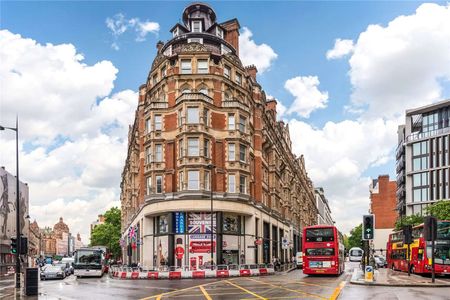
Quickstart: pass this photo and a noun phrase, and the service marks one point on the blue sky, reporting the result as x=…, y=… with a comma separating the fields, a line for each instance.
x=300, y=33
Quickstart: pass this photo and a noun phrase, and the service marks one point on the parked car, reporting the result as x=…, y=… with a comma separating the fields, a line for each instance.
x=65, y=267
x=70, y=261
x=52, y=272
x=299, y=260
x=380, y=261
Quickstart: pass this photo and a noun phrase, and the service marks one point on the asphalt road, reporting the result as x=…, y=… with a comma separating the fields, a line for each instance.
x=293, y=285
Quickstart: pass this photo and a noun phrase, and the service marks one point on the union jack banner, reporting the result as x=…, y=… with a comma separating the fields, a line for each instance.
x=132, y=232
x=200, y=223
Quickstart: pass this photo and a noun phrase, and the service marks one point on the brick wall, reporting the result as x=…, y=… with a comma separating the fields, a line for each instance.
x=383, y=204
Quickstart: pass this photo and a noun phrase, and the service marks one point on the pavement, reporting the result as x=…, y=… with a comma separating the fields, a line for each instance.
x=388, y=277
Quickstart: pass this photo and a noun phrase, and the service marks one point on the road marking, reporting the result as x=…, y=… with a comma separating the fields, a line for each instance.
x=291, y=290
x=338, y=290
x=159, y=296
x=245, y=290
x=205, y=293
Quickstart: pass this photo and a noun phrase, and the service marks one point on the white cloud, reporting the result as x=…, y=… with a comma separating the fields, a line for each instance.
x=119, y=24
x=341, y=49
x=404, y=64
x=262, y=56
x=308, y=97
x=73, y=131
x=336, y=157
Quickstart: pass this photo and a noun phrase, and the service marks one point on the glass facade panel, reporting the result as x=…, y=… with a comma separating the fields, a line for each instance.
x=193, y=147
x=193, y=180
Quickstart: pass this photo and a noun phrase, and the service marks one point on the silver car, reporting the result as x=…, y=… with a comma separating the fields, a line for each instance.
x=52, y=272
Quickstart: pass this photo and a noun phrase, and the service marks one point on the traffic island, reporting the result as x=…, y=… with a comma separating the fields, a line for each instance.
x=185, y=273
x=388, y=277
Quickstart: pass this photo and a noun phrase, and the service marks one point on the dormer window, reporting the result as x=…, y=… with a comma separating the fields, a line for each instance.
x=176, y=32
x=219, y=32
x=196, y=26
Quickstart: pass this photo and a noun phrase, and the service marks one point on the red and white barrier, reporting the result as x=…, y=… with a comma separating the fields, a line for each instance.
x=200, y=274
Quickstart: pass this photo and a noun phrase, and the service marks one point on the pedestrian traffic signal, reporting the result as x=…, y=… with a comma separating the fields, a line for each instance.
x=368, y=231
x=13, y=245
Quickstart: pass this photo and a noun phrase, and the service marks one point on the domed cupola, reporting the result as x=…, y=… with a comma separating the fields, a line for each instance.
x=198, y=17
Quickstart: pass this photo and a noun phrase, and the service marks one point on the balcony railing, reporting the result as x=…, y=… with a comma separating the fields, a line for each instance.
x=158, y=105
x=194, y=97
x=233, y=103
x=420, y=135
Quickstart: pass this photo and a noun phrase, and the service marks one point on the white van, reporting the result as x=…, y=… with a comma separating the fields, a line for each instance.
x=355, y=254
x=299, y=260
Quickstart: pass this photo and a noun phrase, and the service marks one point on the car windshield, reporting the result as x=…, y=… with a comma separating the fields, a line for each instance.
x=53, y=269
x=356, y=252
x=443, y=230
x=319, y=235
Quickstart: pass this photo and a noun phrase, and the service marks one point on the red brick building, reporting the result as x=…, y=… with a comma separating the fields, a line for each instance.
x=203, y=128
x=383, y=204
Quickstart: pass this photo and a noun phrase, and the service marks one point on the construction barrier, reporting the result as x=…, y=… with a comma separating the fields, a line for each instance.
x=221, y=271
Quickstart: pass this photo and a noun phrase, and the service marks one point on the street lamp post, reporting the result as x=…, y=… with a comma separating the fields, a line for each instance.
x=16, y=129
x=211, y=167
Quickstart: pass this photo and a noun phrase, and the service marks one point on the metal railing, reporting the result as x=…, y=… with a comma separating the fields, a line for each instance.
x=165, y=268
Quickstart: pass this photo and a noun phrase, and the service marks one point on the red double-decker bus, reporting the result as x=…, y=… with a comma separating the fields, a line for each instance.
x=420, y=251
x=323, y=250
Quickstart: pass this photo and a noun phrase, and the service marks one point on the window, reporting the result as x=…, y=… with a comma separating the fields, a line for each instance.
x=158, y=153
x=226, y=72
x=231, y=184
x=242, y=121
x=158, y=122
x=186, y=67
x=148, y=155
x=192, y=115
x=242, y=184
x=163, y=72
x=204, y=91
x=202, y=66
x=155, y=79
x=207, y=181
x=149, y=185
x=180, y=117
x=193, y=147
x=205, y=116
x=196, y=26
x=231, y=125
x=238, y=78
x=231, y=152
x=180, y=148
x=159, y=184
x=185, y=90
x=148, y=125
x=180, y=181
x=219, y=32
x=176, y=32
x=242, y=154
x=193, y=180
x=206, y=148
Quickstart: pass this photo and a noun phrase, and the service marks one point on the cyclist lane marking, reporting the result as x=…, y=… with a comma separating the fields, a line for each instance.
x=245, y=290
x=287, y=289
x=338, y=290
x=205, y=293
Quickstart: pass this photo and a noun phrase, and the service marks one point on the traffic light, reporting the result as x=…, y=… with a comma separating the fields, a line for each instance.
x=13, y=245
x=23, y=245
x=407, y=234
x=430, y=228
x=368, y=231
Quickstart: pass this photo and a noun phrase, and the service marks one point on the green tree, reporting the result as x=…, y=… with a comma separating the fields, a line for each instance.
x=408, y=220
x=346, y=242
x=354, y=240
x=440, y=210
x=108, y=233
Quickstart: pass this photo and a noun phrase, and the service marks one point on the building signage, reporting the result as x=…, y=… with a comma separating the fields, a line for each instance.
x=180, y=221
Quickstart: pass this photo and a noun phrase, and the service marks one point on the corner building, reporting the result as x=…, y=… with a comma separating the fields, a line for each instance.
x=204, y=129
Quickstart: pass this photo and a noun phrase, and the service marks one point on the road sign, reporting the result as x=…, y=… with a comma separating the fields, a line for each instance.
x=368, y=274
x=285, y=243
x=368, y=232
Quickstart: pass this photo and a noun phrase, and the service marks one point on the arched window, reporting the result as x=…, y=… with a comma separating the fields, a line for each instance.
x=185, y=89
x=203, y=89
x=228, y=96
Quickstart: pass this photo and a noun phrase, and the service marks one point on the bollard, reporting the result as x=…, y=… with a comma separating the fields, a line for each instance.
x=368, y=276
